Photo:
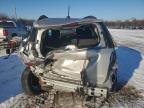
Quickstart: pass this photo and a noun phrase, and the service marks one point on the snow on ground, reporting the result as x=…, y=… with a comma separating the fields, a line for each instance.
x=130, y=67
x=129, y=38
x=131, y=61
x=130, y=72
x=10, y=73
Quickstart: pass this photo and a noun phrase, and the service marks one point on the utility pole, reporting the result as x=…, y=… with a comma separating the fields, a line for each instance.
x=68, y=17
x=15, y=13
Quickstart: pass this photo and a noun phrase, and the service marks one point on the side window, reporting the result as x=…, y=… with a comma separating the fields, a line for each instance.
x=50, y=40
x=49, y=32
x=52, y=34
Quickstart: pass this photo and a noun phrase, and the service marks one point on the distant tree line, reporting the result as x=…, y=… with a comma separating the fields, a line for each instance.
x=126, y=24
x=22, y=20
x=3, y=16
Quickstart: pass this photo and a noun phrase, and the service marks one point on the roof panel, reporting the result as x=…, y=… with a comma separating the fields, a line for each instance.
x=61, y=22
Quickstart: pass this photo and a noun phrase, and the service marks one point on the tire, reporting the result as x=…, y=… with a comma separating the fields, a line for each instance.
x=114, y=86
x=30, y=83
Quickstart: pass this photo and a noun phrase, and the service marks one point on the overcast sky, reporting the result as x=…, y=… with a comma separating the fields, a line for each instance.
x=102, y=9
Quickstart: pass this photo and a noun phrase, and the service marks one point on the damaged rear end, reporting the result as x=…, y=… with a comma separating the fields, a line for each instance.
x=71, y=55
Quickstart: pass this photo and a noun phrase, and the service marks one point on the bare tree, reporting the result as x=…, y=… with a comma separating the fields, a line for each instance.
x=132, y=23
x=3, y=16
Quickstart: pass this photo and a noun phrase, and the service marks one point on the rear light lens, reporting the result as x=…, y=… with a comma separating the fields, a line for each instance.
x=29, y=64
x=5, y=32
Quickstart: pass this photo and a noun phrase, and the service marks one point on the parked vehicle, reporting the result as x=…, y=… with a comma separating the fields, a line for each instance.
x=9, y=29
x=70, y=55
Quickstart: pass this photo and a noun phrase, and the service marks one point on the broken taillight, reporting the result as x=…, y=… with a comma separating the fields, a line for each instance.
x=5, y=32
x=29, y=64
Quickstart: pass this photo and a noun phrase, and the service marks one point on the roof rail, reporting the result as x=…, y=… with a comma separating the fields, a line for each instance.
x=90, y=17
x=42, y=17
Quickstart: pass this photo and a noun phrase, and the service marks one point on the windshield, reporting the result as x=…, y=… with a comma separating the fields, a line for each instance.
x=4, y=24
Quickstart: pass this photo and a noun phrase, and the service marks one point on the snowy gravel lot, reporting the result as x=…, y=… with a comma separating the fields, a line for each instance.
x=130, y=77
x=129, y=38
x=132, y=58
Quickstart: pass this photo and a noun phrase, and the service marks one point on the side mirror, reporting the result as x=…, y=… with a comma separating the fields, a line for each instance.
x=8, y=51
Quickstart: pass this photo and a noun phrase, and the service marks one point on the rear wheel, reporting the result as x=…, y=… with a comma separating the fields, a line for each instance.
x=30, y=83
x=114, y=80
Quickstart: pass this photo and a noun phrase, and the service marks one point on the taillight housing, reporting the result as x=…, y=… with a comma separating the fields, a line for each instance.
x=5, y=33
x=29, y=64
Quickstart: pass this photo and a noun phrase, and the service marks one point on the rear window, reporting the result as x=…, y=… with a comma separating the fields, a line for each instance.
x=6, y=24
x=82, y=37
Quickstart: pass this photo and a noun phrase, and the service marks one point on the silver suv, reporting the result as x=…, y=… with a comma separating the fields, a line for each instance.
x=70, y=55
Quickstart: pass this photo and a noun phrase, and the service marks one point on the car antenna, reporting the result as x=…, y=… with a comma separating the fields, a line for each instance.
x=68, y=17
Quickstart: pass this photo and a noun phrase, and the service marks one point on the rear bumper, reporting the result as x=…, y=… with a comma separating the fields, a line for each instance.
x=69, y=87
